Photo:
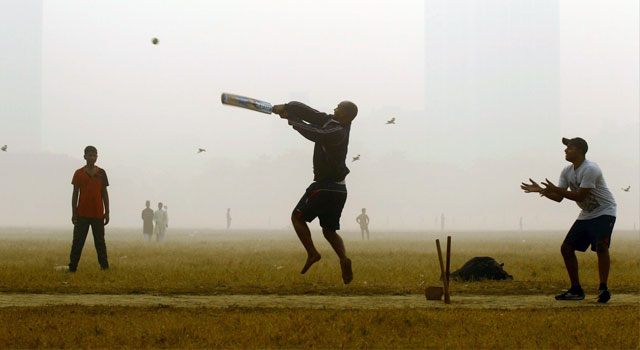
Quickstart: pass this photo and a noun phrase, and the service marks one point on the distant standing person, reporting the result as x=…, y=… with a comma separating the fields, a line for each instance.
x=521, y=224
x=147, y=222
x=89, y=207
x=594, y=225
x=326, y=196
x=228, y=218
x=162, y=222
x=166, y=213
x=363, y=220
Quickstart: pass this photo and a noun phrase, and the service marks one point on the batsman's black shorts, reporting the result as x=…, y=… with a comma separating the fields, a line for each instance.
x=589, y=232
x=322, y=200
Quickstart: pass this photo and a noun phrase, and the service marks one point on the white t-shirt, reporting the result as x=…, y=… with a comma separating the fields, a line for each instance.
x=161, y=218
x=599, y=201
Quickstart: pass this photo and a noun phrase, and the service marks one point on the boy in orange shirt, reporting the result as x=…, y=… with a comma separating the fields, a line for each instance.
x=90, y=207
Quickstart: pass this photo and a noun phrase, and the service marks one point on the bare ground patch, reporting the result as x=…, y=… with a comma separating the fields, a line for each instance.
x=310, y=301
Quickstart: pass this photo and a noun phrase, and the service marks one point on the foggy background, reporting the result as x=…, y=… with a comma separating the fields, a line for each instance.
x=482, y=92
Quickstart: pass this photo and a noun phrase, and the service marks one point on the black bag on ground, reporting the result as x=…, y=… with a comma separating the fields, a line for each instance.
x=481, y=268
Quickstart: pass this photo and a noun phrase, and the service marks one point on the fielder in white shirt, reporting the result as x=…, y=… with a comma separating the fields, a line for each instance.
x=594, y=225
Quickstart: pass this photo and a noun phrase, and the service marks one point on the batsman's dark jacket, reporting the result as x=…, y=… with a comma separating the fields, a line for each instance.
x=330, y=137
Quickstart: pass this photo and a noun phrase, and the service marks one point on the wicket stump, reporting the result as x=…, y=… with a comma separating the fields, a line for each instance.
x=445, y=275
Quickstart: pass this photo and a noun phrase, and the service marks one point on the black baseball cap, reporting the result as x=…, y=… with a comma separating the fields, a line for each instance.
x=577, y=142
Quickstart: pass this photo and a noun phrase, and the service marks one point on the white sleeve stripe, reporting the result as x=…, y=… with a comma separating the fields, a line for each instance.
x=315, y=129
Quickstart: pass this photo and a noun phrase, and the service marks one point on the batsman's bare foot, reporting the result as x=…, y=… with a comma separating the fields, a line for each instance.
x=347, y=274
x=311, y=259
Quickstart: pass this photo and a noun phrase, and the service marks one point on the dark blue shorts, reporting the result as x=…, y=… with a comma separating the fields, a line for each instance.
x=589, y=232
x=324, y=201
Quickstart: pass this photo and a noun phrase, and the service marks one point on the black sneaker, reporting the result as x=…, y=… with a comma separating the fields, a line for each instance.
x=603, y=296
x=571, y=295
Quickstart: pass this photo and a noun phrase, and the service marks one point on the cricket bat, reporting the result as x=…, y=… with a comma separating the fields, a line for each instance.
x=246, y=102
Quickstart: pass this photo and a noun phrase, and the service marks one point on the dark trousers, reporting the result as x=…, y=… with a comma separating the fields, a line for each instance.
x=80, y=231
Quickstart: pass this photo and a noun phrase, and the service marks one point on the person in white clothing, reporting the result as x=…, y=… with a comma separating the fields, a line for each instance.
x=162, y=222
x=594, y=225
x=166, y=213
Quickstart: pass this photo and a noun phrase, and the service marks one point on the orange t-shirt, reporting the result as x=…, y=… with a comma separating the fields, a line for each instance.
x=90, y=202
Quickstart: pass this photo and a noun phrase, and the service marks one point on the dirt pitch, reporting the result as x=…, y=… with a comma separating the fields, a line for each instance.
x=508, y=302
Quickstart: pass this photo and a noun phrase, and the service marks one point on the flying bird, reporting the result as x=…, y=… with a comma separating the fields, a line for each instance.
x=4, y=148
x=355, y=158
x=200, y=150
x=391, y=121
x=627, y=189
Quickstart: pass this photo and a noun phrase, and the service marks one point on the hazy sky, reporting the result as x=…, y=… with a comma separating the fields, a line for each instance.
x=149, y=107
x=166, y=97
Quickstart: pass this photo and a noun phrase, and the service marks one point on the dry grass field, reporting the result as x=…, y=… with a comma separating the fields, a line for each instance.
x=269, y=263
x=210, y=263
x=162, y=327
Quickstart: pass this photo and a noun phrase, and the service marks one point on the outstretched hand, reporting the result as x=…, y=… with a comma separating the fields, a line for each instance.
x=532, y=187
x=549, y=186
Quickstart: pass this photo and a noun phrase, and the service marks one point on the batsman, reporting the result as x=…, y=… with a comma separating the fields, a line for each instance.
x=326, y=196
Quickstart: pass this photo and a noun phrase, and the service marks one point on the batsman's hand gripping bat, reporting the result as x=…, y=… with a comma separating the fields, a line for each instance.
x=246, y=102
